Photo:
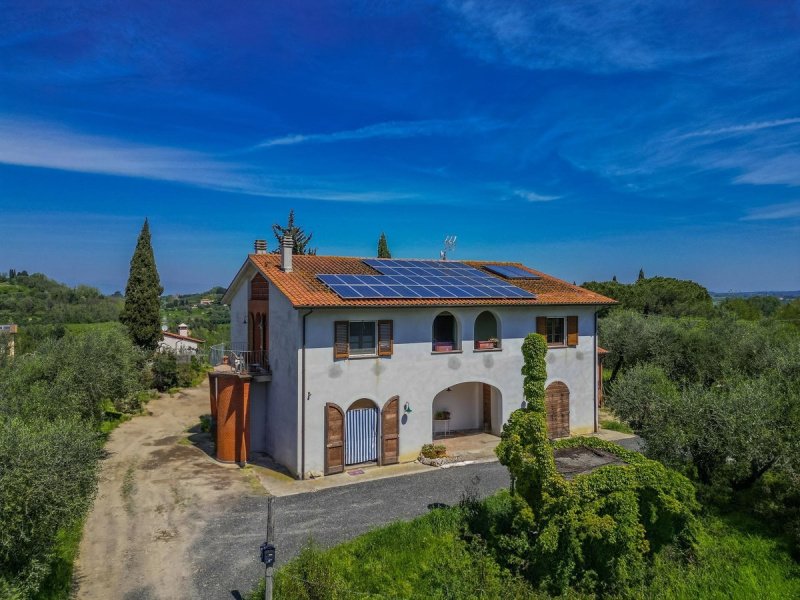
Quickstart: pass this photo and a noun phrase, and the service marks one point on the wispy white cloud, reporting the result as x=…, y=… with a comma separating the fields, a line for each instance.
x=744, y=128
x=614, y=35
x=388, y=130
x=46, y=145
x=783, y=169
x=786, y=210
x=531, y=196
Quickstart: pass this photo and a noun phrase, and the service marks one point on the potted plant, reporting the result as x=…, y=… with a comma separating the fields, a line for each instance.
x=489, y=344
x=442, y=415
x=443, y=346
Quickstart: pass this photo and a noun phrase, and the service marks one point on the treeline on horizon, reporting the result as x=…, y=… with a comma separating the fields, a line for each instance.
x=47, y=309
x=667, y=296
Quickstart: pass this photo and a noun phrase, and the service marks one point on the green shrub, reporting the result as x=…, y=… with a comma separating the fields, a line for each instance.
x=432, y=451
x=47, y=480
x=77, y=375
x=595, y=532
x=165, y=370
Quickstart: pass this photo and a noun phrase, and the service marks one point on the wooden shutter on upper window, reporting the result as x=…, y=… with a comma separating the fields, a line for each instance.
x=572, y=331
x=541, y=326
x=341, y=332
x=385, y=338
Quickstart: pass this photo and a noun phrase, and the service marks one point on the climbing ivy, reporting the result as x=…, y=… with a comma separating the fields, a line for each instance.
x=596, y=531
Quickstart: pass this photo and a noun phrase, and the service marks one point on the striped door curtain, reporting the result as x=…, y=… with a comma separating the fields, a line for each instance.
x=361, y=438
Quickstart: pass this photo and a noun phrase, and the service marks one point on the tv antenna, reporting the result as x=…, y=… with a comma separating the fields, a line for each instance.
x=449, y=246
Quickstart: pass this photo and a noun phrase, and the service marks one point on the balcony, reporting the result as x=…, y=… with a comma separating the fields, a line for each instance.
x=244, y=361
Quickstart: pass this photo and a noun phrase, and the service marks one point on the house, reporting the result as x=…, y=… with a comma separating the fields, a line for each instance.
x=206, y=302
x=181, y=342
x=352, y=360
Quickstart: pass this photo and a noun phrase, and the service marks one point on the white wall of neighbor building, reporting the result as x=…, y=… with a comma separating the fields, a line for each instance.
x=417, y=375
x=178, y=345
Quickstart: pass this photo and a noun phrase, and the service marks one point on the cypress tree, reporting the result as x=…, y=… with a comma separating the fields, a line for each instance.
x=383, y=247
x=141, y=313
x=641, y=274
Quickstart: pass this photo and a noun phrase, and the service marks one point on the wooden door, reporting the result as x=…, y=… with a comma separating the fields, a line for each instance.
x=334, y=439
x=556, y=404
x=390, y=432
x=487, y=407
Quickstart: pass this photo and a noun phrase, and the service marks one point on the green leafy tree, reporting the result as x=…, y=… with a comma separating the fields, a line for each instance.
x=383, y=247
x=657, y=295
x=302, y=240
x=731, y=434
x=142, y=311
x=48, y=471
x=596, y=531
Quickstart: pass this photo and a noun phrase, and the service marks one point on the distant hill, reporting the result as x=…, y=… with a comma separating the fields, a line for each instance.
x=790, y=295
x=35, y=299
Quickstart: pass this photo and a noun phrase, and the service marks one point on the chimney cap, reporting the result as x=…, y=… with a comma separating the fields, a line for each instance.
x=260, y=246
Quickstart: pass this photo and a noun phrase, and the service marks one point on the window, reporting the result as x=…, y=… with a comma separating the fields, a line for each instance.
x=444, y=333
x=362, y=338
x=555, y=332
x=486, y=337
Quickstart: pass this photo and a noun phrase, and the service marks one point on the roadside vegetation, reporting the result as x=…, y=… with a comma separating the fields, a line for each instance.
x=66, y=389
x=55, y=405
x=712, y=509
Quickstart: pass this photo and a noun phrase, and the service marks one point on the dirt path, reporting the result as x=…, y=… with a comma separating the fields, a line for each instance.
x=156, y=494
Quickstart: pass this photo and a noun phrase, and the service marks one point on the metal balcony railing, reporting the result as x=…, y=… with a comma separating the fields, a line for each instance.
x=243, y=360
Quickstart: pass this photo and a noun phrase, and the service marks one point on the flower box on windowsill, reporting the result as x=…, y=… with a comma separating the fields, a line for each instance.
x=488, y=345
x=444, y=347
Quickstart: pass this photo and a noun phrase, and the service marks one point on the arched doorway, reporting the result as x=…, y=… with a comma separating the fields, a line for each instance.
x=361, y=432
x=556, y=404
x=467, y=408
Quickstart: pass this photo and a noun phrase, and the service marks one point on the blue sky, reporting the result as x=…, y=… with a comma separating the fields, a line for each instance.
x=586, y=139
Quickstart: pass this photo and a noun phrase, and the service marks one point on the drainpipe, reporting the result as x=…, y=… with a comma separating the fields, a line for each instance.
x=303, y=401
x=594, y=368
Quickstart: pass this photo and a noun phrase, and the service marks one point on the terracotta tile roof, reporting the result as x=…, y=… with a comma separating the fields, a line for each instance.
x=304, y=290
x=182, y=337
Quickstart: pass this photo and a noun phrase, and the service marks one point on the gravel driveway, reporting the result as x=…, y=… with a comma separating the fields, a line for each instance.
x=226, y=554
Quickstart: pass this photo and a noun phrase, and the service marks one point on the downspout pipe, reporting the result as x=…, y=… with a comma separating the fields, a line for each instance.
x=594, y=367
x=303, y=400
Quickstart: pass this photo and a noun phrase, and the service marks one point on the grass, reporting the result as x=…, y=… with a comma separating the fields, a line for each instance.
x=427, y=558
x=615, y=425
x=58, y=583
x=128, y=488
x=736, y=559
x=423, y=558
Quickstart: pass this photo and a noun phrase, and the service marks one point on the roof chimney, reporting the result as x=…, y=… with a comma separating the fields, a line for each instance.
x=261, y=246
x=287, y=244
x=183, y=330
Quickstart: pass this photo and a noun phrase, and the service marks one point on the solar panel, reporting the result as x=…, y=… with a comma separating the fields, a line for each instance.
x=426, y=279
x=510, y=272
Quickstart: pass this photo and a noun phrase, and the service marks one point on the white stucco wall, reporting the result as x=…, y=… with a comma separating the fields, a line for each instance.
x=177, y=344
x=417, y=375
x=274, y=406
x=238, y=307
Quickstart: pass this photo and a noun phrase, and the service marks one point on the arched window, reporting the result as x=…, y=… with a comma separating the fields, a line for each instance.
x=445, y=335
x=486, y=334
